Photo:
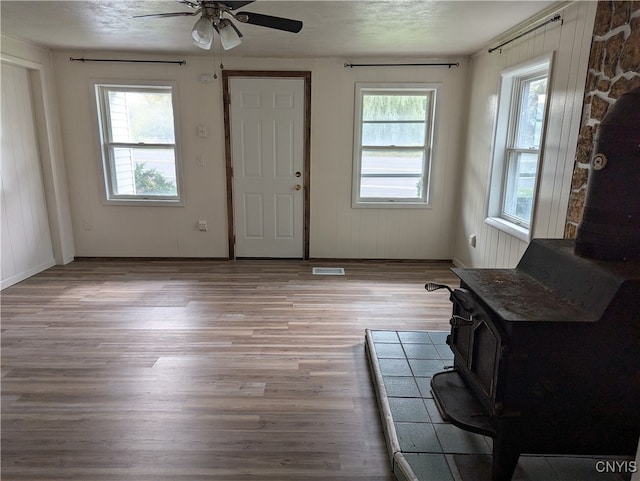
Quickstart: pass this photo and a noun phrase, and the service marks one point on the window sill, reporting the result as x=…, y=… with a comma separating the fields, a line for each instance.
x=510, y=228
x=144, y=202
x=390, y=205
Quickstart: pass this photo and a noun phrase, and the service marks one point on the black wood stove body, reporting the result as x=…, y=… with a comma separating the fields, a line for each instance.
x=547, y=356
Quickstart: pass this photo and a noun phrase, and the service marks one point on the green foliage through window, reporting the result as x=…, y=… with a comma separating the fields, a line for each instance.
x=152, y=182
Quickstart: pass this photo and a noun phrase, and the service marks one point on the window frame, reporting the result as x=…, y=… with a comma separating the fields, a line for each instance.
x=430, y=90
x=505, y=148
x=101, y=89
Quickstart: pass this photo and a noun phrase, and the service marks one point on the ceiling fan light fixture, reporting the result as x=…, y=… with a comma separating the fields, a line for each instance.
x=228, y=35
x=202, y=33
x=213, y=18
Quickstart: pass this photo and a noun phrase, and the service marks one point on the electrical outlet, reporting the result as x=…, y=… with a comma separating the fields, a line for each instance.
x=202, y=131
x=472, y=240
x=202, y=225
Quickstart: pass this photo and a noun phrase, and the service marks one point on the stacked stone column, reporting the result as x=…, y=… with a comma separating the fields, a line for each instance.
x=614, y=68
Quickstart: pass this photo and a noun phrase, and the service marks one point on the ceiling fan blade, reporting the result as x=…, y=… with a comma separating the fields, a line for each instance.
x=234, y=5
x=175, y=14
x=278, y=23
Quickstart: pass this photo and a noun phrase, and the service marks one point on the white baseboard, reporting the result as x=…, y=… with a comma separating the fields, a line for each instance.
x=21, y=276
x=456, y=262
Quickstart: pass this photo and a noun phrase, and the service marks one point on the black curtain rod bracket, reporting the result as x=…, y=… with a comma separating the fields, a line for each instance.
x=178, y=62
x=351, y=65
x=553, y=19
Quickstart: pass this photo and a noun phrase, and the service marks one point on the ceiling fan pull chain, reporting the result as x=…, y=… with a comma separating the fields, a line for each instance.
x=213, y=49
x=221, y=57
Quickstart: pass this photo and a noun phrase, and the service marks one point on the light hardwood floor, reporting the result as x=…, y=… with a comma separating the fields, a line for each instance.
x=202, y=370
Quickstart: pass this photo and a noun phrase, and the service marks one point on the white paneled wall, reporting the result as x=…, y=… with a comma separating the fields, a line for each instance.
x=337, y=230
x=44, y=109
x=571, y=44
x=26, y=239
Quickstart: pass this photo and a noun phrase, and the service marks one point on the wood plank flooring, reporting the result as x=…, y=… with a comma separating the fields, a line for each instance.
x=202, y=370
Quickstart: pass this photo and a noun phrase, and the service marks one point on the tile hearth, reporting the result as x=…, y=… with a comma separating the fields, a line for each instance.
x=424, y=447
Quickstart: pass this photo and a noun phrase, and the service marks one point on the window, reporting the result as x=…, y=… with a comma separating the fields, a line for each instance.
x=392, y=146
x=138, y=139
x=517, y=152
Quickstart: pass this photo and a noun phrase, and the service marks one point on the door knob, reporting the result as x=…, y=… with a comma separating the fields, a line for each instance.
x=298, y=187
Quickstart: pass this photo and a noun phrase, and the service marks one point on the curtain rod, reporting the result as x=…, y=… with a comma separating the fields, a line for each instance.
x=554, y=19
x=179, y=62
x=401, y=65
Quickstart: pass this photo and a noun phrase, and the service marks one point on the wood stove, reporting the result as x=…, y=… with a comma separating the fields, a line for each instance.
x=547, y=355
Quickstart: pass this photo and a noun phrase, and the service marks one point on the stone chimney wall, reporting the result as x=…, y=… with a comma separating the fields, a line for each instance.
x=614, y=68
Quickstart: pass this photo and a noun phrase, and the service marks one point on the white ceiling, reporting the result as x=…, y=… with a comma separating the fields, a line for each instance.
x=351, y=28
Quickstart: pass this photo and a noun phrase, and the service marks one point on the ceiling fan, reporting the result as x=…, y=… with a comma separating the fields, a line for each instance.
x=217, y=15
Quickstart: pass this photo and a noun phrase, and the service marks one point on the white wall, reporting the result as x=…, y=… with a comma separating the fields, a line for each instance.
x=337, y=230
x=571, y=43
x=26, y=241
x=42, y=163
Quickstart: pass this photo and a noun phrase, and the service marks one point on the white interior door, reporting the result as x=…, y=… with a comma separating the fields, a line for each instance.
x=267, y=151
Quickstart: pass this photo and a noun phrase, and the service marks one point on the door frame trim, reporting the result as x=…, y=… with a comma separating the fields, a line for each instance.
x=306, y=75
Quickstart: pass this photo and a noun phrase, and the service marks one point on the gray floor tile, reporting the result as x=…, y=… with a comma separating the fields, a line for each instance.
x=389, y=350
x=458, y=441
x=434, y=412
x=412, y=337
x=384, y=336
x=429, y=467
x=421, y=351
x=444, y=351
x=426, y=367
x=439, y=337
x=401, y=386
x=472, y=467
x=424, y=385
x=417, y=438
x=394, y=367
x=410, y=409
